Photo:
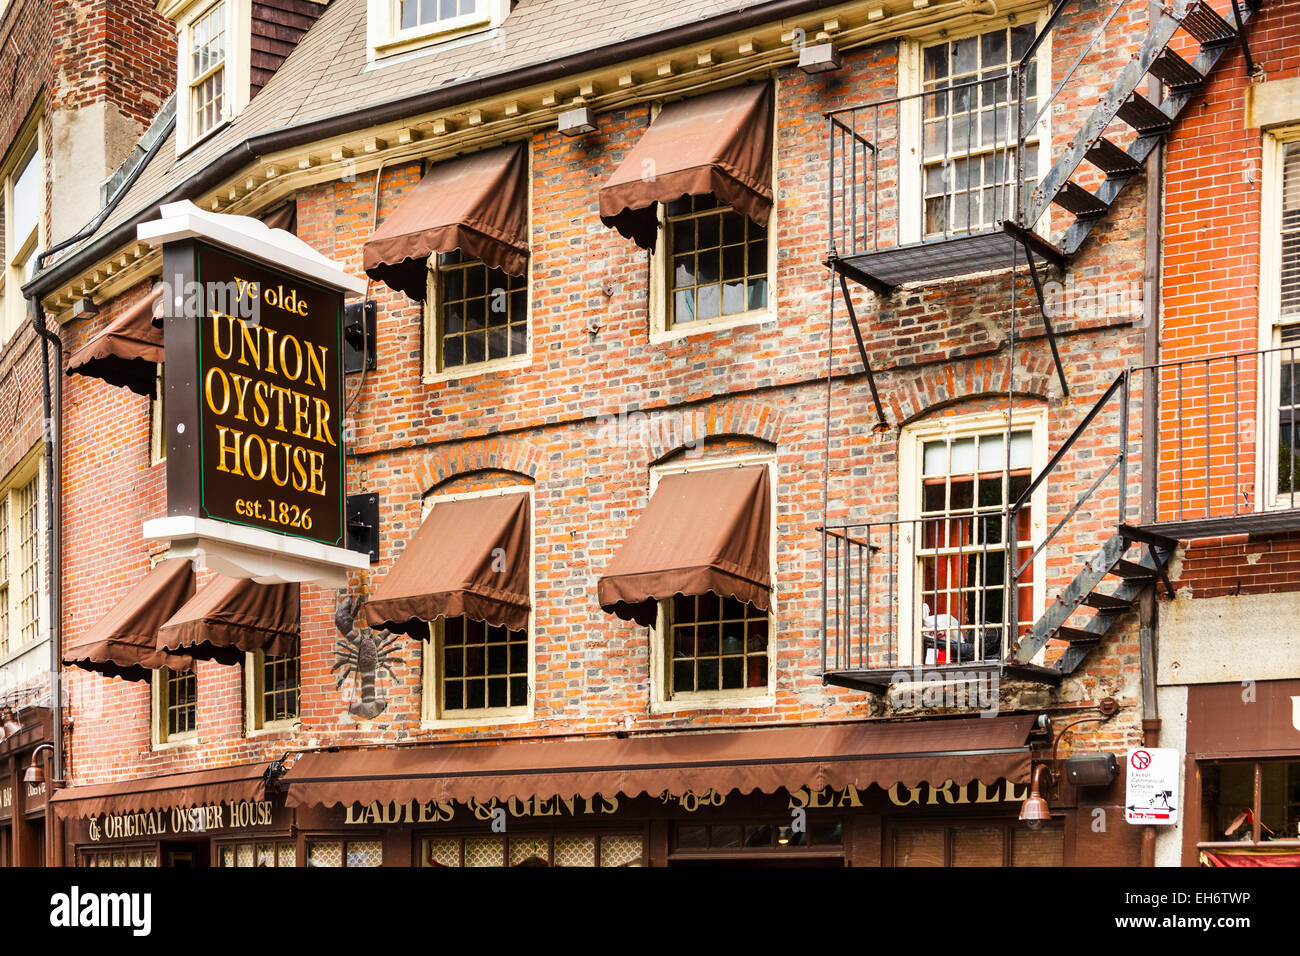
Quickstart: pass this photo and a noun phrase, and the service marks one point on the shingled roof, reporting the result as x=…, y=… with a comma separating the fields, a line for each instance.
x=327, y=86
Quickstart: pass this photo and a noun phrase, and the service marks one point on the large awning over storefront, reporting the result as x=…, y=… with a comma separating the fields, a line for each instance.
x=719, y=144
x=127, y=352
x=169, y=791
x=703, y=531
x=469, y=557
x=231, y=616
x=814, y=757
x=125, y=642
x=477, y=204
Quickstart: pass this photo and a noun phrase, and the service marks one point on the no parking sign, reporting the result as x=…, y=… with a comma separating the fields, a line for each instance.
x=1152, y=786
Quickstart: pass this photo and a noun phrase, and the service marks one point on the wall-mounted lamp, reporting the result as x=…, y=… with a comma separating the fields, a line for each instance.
x=577, y=122
x=1034, y=811
x=11, y=725
x=35, y=772
x=820, y=58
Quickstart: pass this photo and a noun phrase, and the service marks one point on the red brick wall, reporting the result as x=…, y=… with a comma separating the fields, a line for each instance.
x=766, y=384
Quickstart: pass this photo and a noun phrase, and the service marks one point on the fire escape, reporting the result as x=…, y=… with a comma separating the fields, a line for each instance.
x=983, y=206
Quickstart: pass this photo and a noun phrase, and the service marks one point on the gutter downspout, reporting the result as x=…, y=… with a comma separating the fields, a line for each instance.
x=53, y=434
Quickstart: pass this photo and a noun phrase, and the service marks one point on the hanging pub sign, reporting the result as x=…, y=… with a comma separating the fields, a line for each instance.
x=253, y=399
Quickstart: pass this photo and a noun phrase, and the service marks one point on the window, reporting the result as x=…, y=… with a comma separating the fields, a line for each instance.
x=953, y=574
x=1282, y=315
x=963, y=127
x=575, y=850
x=22, y=211
x=718, y=260
x=272, y=690
x=710, y=650
x=351, y=853
x=21, y=581
x=479, y=314
x=175, y=697
x=207, y=82
x=120, y=856
x=475, y=672
x=265, y=853
x=1250, y=803
x=157, y=421
x=758, y=837
x=977, y=844
x=396, y=26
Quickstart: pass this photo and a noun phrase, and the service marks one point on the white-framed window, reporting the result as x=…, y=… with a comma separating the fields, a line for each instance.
x=953, y=581
x=1280, y=318
x=214, y=49
x=22, y=221
x=399, y=26
x=959, y=134
x=474, y=672
x=22, y=539
x=713, y=267
x=272, y=690
x=708, y=651
x=157, y=419
x=476, y=318
x=175, y=706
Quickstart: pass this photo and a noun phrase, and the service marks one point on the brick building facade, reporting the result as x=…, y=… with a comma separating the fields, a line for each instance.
x=609, y=397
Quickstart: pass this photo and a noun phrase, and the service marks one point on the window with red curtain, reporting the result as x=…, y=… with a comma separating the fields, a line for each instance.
x=967, y=481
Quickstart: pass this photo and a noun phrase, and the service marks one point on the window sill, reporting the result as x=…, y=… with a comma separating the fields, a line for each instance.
x=482, y=718
x=22, y=650
x=276, y=728
x=177, y=744
x=479, y=369
x=701, y=327
x=181, y=151
x=430, y=34
x=714, y=702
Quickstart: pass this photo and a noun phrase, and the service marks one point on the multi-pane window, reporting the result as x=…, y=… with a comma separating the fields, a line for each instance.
x=573, y=850
x=177, y=703
x=22, y=197
x=716, y=644
x=267, y=853
x=757, y=837
x=481, y=666
x=960, y=554
x=208, y=69
x=273, y=688
x=350, y=853
x=482, y=313
x=122, y=856
x=968, y=129
x=1286, y=336
x=28, y=502
x=718, y=261
x=1249, y=802
x=415, y=13
x=4, y=575
x=977, y=844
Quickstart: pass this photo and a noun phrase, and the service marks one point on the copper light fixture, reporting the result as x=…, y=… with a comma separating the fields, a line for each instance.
x=11, y=724
x=35, y=772
x=1034, y=811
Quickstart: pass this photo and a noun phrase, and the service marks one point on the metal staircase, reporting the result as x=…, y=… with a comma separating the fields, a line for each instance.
x=1123, y=102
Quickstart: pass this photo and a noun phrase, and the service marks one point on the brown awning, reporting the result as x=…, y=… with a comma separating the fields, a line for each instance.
x=286, y=217
x=702, y=531
x=477, y=204
x=469, y=557
x=180, y=790
x=125, y=642
x=230, y=616
x=720, y=143
x=839, y=755
x=127, y=351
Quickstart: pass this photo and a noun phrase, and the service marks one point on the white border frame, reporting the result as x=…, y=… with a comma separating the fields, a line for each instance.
x=430, y=717
x=910, y=443
x=660, y=701
x=384, y=36
x=239, y=40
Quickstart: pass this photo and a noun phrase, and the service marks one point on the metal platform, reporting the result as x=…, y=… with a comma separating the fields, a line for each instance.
x=879, y=680
x=886, y=269
x=1263, y=522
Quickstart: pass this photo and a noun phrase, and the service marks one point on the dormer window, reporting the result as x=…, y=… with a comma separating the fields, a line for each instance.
x=208, y=70
x=397, y=26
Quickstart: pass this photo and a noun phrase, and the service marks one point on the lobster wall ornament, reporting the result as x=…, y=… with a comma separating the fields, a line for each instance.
x=362, y=652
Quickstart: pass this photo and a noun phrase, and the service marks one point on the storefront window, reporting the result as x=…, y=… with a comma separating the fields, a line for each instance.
x=122, y=856
x=1250, y=802
x=278, y=853
x=577, y=850
x=757, y=836
x=351, y=853
x=980, y=844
